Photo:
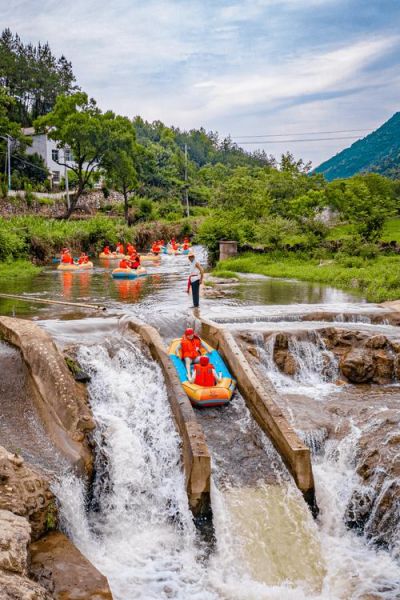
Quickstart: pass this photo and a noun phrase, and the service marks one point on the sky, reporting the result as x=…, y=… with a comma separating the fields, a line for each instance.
x=239, y=67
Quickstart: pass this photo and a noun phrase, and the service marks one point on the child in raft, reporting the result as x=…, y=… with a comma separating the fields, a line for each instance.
x=83, y=259
x=204, y=373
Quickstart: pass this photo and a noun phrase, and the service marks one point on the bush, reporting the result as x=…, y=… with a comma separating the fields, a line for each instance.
x=46, y=201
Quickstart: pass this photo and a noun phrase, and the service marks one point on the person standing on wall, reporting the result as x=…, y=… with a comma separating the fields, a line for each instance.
x=195, y=278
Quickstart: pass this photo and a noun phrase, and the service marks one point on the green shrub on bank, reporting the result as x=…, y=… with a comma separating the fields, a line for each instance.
x=18, y=269
x=41, y=238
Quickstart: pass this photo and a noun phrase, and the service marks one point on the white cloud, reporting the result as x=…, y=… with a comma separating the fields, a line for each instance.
x=229, y=66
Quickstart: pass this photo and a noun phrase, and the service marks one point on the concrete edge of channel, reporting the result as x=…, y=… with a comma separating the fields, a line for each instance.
x=196, y=455
x=294, y=453
x=61, y=402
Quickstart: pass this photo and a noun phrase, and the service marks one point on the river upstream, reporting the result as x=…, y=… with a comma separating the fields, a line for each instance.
x=136, y=526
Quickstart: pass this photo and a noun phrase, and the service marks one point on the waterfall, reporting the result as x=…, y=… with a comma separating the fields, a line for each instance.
x=317, y=367
x=138, y=529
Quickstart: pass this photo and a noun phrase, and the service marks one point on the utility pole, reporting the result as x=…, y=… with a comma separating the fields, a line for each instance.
x=8, y=138
x=186, y=182
x=9, y=161
x=66, y=180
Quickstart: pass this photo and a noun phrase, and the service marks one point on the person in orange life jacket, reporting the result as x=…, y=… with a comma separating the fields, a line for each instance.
x=130, y=249
x=134, y=261
x=66, y=257
x=83, y=258
x=106, y=250
x=196, y=276
x=124, y=264
x=156, y=248
x=189, y=349
x=204, y=373
x=120, y=248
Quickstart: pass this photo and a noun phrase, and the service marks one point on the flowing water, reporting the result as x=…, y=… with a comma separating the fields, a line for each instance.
x=135, y=524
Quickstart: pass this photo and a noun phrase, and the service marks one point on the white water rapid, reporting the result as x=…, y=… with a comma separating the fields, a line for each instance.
x=317, y=367
x=139, y=532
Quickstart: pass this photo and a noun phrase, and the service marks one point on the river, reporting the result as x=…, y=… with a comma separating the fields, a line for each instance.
x=136, y=527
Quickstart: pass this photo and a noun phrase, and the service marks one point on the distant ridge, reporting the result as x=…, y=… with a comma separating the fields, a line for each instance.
x=378, y=152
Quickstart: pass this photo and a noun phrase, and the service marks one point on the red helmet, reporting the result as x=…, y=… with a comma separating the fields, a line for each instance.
x=204, y=361
x=189, y=331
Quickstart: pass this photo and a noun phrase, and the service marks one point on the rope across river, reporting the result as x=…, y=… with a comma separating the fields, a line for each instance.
x=46, y=301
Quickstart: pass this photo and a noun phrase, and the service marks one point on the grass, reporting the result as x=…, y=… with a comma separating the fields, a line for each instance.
x=376, y=279
x=390, y=233
x=18, y=269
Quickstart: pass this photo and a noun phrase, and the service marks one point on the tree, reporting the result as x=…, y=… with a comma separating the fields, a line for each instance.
x=365, y=201
x=92, y=136
x=122, y=175
x=33, y=76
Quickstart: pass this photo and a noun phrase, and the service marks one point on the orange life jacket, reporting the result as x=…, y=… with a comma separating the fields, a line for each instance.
x=81, y=260
x=120, y=249
x=124, y=264
x=106, y=250
x=190, y=348
x=67, y=259
x=204, y=375
x=135, y=263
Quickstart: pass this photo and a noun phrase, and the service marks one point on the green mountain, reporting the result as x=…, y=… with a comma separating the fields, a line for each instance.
x=378, y=152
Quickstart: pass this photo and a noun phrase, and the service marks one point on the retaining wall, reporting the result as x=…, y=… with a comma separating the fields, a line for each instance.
x=196, y=456
x=259, y=399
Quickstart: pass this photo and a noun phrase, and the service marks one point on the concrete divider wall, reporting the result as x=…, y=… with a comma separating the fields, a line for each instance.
x=196, y=456
x=60, y=401
x=266, y=412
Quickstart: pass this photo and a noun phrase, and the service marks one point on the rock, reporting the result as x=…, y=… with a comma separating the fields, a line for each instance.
x=25, y=492
x=286, y=362
x=376, y=342
x=252, y=350
x=357, y=365
x=60, y=568
x=15, y=535
x=281, y=341
x=395, y=345
x=15, y=587
x=384, y=366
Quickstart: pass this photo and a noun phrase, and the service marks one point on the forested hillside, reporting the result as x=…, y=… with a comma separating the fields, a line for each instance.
x=379, y=152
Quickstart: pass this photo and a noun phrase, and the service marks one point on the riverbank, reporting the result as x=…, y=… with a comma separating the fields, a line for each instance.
x=19, y=268
x=40, y=238
x=377, y=279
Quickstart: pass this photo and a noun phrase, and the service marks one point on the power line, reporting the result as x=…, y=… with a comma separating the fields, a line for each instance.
x=352, y=137
x=26, y=162
x=299, y=133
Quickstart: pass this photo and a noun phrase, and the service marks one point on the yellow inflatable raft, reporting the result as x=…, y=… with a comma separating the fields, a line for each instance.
x=112, y=256
x=199, y=396
x=75, y=267
x=150, y=258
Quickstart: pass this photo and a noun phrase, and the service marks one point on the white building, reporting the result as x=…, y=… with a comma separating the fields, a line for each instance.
x=47, y=149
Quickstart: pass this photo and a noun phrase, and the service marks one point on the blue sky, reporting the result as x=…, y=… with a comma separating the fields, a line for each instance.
x=246, y=67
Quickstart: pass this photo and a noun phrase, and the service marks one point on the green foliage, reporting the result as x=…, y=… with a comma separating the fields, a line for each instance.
x=33, y=76
x=366, y=201
x=378, y=279
x=93, y=137
x=18, y=269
